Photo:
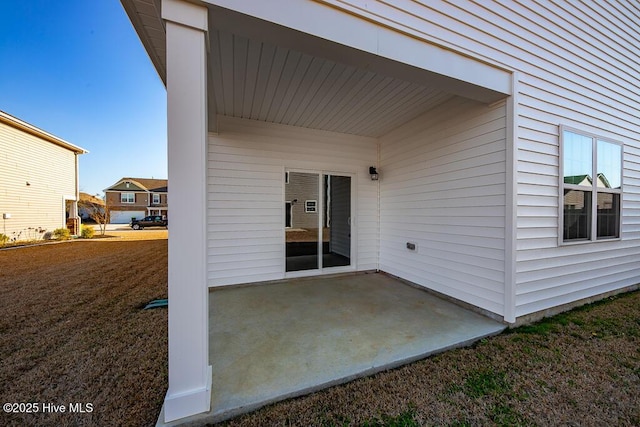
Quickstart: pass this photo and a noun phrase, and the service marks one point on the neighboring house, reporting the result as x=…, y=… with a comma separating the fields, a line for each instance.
x=88, y=204
x=472, y=114
x=38, y=181
x=135, y=198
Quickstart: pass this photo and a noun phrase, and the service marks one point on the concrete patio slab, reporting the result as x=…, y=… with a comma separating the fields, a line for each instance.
x=273, y=341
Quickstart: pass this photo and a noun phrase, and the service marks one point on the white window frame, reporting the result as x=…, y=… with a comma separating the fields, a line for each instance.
x=126, y=201
x=594, y=189
x=154, y=200
x=308, y=208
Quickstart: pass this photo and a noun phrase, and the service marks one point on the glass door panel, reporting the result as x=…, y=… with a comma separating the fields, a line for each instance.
x=336, y=242
x=303, y=219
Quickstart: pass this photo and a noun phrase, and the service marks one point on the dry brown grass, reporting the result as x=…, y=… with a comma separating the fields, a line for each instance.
x=72, y=330
x=147, y=234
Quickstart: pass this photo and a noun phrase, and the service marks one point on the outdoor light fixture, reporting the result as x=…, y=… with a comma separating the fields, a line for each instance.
x=373, y=172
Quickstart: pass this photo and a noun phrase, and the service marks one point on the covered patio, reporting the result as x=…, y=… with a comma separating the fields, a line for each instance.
x=291, y=337
x=262, y=98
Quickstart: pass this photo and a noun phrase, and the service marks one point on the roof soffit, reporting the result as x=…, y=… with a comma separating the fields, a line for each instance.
x=319, y=83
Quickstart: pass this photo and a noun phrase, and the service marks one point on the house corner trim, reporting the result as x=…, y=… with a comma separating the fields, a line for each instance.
x=511, y=220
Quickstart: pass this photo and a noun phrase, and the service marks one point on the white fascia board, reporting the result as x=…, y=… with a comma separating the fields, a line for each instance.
x=426, y=56
x=338, y=26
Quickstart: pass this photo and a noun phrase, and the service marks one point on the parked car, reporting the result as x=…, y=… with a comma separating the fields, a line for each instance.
x=149, y=221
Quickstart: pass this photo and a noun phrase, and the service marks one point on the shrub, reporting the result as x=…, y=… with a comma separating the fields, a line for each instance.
x=86, y=232
x=62, y=233
x=3, y=239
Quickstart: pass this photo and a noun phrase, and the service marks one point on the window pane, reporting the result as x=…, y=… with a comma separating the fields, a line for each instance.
x=336, y=249
x=608, y=215
x=577, y=215
x=609, y=165
x=578, y=158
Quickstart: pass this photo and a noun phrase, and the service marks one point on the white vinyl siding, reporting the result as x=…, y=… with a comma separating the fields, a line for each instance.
x=443, y=187
x=50, y=171
x=578, y=64
x=247, y=161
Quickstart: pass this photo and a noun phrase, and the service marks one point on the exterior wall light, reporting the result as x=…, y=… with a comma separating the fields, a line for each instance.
x=373, y=172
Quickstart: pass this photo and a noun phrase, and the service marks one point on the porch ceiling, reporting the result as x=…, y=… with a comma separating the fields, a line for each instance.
x=264, y=71
x=258, y=80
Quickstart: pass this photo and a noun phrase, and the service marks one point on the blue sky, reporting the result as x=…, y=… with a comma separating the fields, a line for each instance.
x=76, y=69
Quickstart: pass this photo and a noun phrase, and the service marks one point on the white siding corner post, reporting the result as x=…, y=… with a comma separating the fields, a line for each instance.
x=511, y=204
x=189, y=370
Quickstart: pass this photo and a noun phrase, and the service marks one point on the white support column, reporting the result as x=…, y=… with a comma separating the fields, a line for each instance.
x=189, y=370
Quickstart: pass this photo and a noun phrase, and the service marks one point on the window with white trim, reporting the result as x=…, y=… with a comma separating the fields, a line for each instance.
x=591, y=170
x=156, y=199
x=310, y=206
x=127, y=198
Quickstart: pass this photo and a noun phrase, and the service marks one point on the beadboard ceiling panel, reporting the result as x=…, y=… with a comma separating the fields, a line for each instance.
x=257, y=80
x=262, y=71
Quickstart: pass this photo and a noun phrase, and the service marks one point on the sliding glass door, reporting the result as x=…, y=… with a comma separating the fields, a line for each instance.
x=317, y=221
